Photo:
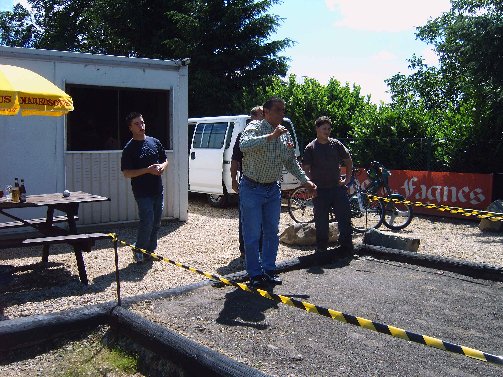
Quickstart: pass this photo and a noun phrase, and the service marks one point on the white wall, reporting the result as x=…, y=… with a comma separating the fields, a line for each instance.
x=33, y=147
x=99, y=173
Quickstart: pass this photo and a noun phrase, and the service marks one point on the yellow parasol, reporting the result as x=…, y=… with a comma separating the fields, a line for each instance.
x=25, y=90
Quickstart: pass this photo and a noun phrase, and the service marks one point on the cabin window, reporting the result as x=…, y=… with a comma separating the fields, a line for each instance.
x=97, y=123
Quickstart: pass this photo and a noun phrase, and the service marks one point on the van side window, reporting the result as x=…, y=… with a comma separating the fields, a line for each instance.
x=209, y=135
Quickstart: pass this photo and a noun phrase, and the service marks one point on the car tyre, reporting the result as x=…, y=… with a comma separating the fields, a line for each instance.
x=217, y=200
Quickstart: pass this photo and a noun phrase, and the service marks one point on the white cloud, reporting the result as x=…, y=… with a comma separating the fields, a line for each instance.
x=383, y=56
x=385, y=15
x=430, y=57
x=369, y=75
x=24, y=3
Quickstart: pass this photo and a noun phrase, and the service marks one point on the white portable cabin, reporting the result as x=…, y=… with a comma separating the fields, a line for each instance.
x=73, y=152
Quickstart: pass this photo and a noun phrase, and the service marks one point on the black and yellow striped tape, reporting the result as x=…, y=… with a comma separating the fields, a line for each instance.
x=340, y=316
x=493, y=216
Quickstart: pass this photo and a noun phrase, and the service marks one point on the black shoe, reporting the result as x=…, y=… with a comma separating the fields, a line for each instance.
x=346, y=251
x=321, y=256
x=257, y=282
x=272, y=278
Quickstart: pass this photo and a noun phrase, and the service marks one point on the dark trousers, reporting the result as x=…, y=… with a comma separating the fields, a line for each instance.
x=326, y=199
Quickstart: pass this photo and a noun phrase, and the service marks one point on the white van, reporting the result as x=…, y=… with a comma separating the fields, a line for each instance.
x=212, y=140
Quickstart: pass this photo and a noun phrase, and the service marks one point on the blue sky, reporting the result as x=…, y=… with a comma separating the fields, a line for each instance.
x=354, y=41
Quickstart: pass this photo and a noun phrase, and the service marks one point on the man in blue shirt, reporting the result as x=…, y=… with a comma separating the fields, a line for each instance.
x=144, y=161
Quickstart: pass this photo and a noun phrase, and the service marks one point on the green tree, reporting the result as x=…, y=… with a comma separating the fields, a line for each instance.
x=463, y=97
x=16, y=27
x=308, y=99
x=229, y=42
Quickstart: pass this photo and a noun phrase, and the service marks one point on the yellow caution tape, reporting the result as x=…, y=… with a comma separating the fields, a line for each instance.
x=492, y=216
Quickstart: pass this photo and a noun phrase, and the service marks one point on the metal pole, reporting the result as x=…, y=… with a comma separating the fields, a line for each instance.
x=117, y=278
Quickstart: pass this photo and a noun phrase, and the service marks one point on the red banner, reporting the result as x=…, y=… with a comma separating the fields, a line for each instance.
x=465, y=190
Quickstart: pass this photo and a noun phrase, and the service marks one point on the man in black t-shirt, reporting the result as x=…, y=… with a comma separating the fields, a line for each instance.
x=322, y=160
x=144, y=161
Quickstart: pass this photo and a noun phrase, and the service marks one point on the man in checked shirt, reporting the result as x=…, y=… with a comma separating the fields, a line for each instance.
x=267, y=147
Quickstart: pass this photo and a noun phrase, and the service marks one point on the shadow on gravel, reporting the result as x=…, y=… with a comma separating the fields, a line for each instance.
x=37, y=283
x=35, y=277
x=235, y=265
x=490, y=236
x=133, y=272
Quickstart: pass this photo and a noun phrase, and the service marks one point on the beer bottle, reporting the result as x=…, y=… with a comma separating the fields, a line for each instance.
x=22, y=192
x=16, y=182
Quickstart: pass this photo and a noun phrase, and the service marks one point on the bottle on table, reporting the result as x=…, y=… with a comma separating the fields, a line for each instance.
x=15, y=191
x=22, y=192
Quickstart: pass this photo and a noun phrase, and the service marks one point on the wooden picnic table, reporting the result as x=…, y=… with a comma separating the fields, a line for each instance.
x=51, y=233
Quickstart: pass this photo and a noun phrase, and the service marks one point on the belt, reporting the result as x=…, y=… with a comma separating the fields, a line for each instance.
x=259, y=183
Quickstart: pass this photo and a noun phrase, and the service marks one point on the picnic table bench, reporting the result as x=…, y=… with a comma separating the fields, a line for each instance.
x=52, y=234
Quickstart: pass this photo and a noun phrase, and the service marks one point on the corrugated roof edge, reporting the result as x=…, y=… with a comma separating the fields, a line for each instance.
x=68, y=56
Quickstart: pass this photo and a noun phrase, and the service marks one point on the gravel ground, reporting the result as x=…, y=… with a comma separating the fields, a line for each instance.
x=207, y=241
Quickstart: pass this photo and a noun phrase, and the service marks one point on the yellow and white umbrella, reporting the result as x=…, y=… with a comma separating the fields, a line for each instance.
x=25, y=90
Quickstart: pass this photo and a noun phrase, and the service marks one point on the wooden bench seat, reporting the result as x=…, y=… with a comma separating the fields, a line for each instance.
x=69, y=238
x=80, y=242
x=33, y=222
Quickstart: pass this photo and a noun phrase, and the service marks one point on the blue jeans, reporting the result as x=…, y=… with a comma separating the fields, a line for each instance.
x=336, y=198
x=150, y=212
x=260, y=210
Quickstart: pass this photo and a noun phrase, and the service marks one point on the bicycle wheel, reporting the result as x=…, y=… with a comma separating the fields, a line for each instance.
x=300, y=205
x=365, y=213
x=397, y=215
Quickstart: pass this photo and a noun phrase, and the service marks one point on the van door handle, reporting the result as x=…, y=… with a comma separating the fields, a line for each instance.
x=193, y=156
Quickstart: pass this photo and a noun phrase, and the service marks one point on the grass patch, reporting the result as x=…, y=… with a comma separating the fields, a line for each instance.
x=121, y=360
x=95, y=360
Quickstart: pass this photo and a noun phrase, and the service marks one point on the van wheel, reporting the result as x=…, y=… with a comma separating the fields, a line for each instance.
x=217, y=200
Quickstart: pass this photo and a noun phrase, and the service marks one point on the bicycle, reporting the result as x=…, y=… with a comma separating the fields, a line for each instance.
x=397, y=215
x=365, y=213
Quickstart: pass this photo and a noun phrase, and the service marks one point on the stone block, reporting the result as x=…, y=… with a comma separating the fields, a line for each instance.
x=305, y=234
x=392, y=241
x=493, y=226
